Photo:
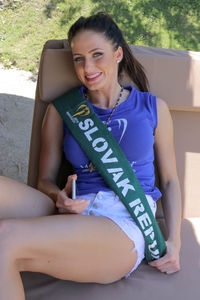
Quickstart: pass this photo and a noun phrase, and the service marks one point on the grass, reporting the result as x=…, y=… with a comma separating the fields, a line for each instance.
x=26, y=25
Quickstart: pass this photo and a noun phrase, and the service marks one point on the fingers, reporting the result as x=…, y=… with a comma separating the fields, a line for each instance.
x=72, y=206
x=169, y=264
x=64, y=202
x=74, y=209
x=160, y=261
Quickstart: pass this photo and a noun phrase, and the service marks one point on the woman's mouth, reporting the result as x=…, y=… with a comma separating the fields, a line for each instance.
x=93, y=77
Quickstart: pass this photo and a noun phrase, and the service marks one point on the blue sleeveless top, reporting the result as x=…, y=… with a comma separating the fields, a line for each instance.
x=133, y=125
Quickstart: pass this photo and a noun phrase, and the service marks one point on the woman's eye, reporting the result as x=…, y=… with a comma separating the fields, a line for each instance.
x=97, y=54
x=77, y=59
x=80, y=58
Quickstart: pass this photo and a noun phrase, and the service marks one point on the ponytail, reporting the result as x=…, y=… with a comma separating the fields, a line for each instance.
x=131, y=66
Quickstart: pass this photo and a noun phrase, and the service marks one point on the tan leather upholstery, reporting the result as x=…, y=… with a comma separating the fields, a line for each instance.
x=174, y=76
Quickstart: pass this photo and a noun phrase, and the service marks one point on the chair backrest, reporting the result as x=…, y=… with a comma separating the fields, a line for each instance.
x=173, y=76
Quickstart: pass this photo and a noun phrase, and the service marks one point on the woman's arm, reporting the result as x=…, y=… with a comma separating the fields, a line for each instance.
x=50, y=160
x=51, y=152
x=170, y=188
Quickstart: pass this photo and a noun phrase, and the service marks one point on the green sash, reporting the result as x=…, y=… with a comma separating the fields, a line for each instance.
x=108, y=158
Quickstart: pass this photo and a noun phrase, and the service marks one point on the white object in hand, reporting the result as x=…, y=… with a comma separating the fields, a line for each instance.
x=73, y=189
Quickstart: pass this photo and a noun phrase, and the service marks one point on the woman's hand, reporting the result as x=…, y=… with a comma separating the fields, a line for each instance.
x=65, y=204
x=170, y=262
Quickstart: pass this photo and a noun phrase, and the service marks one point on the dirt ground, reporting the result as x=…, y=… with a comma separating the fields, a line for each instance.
x=17, y=91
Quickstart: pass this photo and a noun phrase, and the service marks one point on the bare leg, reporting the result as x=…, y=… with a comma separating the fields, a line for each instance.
x=6, y=290
x=17, y=200
x=70, y=247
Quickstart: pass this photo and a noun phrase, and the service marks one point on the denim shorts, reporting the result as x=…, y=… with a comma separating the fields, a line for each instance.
x=108, y=204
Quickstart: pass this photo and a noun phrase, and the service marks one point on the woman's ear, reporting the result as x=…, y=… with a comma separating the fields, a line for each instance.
x=119, y=54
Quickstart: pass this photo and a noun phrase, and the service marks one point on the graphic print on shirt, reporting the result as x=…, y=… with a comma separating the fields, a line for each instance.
x=122, y=123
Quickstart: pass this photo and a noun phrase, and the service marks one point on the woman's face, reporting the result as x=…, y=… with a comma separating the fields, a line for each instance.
x=95, y=60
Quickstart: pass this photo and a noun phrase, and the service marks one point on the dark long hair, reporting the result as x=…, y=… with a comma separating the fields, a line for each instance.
x=103, y=23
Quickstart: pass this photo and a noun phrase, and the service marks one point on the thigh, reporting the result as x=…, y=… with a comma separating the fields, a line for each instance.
x=74, y=247
x=17, y=200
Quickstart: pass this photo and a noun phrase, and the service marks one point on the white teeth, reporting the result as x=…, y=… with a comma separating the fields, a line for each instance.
x=93, y=76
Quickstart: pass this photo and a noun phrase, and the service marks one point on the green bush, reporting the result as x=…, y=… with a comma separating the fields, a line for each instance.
x=26, y=25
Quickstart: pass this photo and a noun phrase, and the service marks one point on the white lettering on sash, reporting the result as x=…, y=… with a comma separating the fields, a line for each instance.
x=138, y=209
x=135, y=202
x=126, y=186
x=100, y=140
x=116, y=176
x=106, y=159
x=139, y=206
x=86, y=124
x=116, y=173
x=113, y=170
x=144, y=220
x=150, y=232
x=154, y=253
x=89, y=132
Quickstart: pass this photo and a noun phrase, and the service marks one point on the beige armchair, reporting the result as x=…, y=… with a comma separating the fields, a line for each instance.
x=173, y=76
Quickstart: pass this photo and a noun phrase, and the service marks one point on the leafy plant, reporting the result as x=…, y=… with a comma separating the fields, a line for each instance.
x=25, y=25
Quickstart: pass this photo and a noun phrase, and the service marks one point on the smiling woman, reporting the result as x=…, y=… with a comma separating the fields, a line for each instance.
x=94, y=238
x=105, y=54
x=96, y=66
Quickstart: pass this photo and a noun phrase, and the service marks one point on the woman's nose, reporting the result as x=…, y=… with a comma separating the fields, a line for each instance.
x=88, y=65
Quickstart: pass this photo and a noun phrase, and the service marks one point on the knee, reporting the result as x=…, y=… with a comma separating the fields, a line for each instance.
x=11, y=250
x=47, y=205
x=6, y=244
x=8, y=259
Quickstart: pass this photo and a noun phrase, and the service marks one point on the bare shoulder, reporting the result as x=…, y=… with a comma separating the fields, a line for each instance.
x=162, y=106
x=52, y=126
x=51, y=113
x=163, y=111
x=165, y=124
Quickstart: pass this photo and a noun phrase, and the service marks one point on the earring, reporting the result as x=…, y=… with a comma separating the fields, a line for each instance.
x=118, y=61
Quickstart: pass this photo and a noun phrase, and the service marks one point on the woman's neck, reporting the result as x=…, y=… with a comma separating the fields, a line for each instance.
x=105, y=98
